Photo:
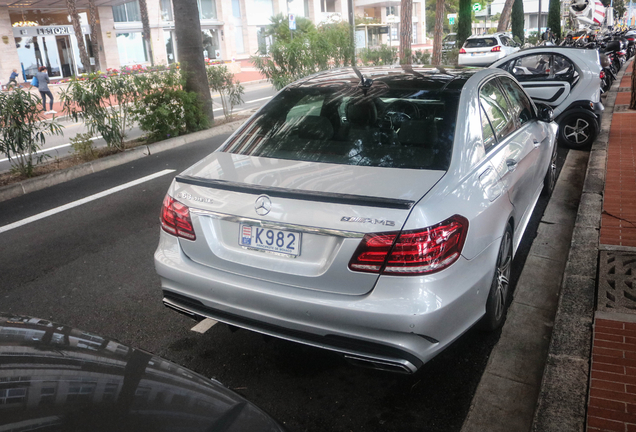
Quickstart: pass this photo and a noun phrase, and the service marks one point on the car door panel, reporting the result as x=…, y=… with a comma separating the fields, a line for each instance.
x=552, y=93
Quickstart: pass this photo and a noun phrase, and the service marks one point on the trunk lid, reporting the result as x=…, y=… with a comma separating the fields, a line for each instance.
x=329, y=207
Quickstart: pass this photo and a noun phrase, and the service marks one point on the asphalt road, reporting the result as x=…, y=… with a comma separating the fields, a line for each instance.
x=91, y=267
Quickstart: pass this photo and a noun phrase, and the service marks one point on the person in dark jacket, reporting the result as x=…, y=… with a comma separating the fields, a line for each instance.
x=12, y=78
x=43, y=86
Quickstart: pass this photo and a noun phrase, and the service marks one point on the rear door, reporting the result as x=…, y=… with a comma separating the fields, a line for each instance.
x=512, y=151
x=547, y=78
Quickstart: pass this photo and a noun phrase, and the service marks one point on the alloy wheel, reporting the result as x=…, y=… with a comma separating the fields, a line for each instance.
x=502, y=276
x=578, y=132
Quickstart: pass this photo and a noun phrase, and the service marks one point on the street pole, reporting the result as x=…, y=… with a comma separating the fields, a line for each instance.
x=539, y=22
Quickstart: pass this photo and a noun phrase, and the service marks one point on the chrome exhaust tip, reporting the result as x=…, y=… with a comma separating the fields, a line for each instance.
x=396, y=366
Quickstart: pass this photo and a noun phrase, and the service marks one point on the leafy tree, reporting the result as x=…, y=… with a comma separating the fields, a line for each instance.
x=307, y=51
x=554, y=18
x=22, y=130
x=516, y=20
x=464, y=22
x=504, y=19
x=187, y=26
x=231, y=93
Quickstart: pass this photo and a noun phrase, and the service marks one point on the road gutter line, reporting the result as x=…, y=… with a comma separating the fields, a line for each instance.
x=88, y=199
x=54, y=148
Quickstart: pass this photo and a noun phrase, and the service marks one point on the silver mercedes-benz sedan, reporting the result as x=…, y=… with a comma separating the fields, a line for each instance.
x=371, y=212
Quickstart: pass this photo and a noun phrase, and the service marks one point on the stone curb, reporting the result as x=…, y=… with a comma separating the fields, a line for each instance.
x=561, y=405
x=57, y=177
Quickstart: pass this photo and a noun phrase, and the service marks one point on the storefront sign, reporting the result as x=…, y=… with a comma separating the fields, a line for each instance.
x=47, y=31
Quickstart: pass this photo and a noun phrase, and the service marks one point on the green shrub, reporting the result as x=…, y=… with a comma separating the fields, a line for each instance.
x=163, y=109
x=23, y=130
x=385, y=55
x=82, y=146
x=422, y=57
x=103, y=104
x=231, y=93
x=450, y=57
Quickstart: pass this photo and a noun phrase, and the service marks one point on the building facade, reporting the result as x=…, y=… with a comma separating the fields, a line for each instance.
x=230, y=29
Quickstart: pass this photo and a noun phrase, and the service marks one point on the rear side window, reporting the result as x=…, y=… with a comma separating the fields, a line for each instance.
x=387, y=127
x=521, y=105
x=480, y=42
x=497, y=109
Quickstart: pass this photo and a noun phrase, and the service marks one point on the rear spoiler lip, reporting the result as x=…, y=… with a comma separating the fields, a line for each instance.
x=272, y=191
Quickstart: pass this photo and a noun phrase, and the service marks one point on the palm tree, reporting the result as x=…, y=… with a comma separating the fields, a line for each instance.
x=438, y=33
x=143, y=7
x=406, y=31
x=464, y=22
x=75, y=20
x=187, y=28
x=95, y=30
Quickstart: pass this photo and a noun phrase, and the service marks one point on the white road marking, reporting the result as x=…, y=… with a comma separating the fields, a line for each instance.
x=83, y=201
x=54, y=148
x=247, y=102
x=204, y=325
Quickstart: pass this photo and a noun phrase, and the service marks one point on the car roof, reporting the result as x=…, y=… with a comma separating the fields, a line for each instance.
x=412, y=77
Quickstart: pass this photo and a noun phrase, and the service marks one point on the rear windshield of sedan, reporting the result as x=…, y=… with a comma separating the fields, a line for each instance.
x=387, y=127
x=480, y=43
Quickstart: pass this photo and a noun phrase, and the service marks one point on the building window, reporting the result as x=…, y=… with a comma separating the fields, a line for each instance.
x=390, y=10
x=210, y=40
x=207, y=9
x=127, y=12
x=327, y=5
x=414, y=34
x=166, y=10
x=263, y=41
x=263, y=8
x=170, y=46
x=238, y=27
x=394, y=33
x=132, y=49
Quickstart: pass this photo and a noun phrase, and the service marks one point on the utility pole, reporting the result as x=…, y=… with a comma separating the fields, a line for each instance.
x=352, y=24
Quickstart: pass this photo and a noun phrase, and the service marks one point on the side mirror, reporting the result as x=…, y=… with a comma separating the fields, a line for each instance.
x=545, y=113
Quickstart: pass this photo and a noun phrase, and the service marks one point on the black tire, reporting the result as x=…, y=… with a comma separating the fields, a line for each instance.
x=549, y=181
x=498, y=297
x=578, y=130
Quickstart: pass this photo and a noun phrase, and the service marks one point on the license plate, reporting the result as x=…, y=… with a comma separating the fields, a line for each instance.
x=271, y=240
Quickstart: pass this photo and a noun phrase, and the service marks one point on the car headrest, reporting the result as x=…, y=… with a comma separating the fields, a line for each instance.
x=362, y=113
x=315, y=127
x=419, y=133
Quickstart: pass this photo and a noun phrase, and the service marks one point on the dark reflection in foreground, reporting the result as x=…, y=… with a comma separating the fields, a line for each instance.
x=56, y=378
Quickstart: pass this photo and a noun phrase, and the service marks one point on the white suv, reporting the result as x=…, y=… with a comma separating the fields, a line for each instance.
x=485, y=49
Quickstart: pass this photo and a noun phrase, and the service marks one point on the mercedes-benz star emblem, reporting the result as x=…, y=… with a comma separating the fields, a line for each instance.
x=263, y=205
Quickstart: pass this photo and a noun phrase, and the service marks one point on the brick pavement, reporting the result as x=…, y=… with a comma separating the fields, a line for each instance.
x=612, y=387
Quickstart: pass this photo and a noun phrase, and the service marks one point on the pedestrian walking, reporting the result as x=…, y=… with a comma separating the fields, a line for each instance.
x=12, y=78
x=43, y=85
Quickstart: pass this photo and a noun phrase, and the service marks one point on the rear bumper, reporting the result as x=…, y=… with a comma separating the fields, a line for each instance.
x=403, y=323
x=480, y=60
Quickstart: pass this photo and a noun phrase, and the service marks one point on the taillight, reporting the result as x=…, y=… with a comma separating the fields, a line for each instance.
x=415, y=252
x=462, y=51
x=631, y=39
x=622, y=52
x=496, y=49
x=175, y=219
x=602, y=75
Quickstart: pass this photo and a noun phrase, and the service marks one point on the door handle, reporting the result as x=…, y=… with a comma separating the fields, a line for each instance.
x=511, y=164
x=536, y=143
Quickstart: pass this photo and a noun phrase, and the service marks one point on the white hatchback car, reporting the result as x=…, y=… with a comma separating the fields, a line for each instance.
x=568, y=80
x=485, y=49
x=374, y=213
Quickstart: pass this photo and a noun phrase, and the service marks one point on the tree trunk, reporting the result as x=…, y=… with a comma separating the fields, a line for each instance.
x=438, y=33
x=143, y=7
x=406, y=31
x=187, y=29
x=632, y=102
x=464, y=22
x=95, y=31
x=504, y=18
x=75, y=20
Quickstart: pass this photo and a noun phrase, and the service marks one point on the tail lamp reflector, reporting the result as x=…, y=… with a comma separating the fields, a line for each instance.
x=462, y=51
x=175, y=219
x=415, y=252
x=496, y=49
x=602, y=75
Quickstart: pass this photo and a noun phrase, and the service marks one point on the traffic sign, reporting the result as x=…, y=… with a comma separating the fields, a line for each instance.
x=476, y=7
x=451, y=20
x=292, y=22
